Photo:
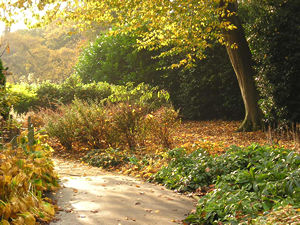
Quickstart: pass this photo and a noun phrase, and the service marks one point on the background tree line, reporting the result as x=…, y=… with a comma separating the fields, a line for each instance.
x=47, y=53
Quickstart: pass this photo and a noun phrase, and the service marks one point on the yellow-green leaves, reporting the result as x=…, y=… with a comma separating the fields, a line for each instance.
x=24, y=173
x=187, y=25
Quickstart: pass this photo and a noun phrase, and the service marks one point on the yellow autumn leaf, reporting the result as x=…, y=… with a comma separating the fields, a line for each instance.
x=19, y=221
x=7, y=179
x=4, y=222
x=6, y=211
x=48, y=208
x=28, y=218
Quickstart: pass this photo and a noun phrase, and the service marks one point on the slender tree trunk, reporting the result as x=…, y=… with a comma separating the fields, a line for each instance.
x=241, y=60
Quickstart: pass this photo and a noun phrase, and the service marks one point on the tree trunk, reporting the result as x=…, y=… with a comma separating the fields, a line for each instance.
x=241, y=60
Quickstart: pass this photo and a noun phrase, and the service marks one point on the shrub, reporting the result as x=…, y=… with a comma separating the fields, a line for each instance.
x=207, y=91
x=126, y=120
x=4, y=104
x=116, y=60
x=142, y=94
x=160, y=125
x=103, y=125
x=62, y=125
x=92, y=127
x=22, y=97
x=48, y=95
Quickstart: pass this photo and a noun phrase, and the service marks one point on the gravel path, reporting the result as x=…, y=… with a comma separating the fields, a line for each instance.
x=91, y=196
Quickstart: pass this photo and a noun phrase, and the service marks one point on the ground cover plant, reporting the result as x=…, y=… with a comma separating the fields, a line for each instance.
x=26, y=174
x=241, y=183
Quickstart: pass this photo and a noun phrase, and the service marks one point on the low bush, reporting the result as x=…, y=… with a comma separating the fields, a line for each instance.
x=126, y=121
x=142, y=94
x=97, y=125
x=62, y=125
x=25, y=97
x=159, y=123
x=26, y=172
x=241, y=183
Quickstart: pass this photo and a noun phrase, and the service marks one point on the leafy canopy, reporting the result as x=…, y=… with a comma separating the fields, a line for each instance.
x=187, y=25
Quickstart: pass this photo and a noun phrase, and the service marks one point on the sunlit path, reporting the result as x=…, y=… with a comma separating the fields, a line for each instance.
x=88, y=196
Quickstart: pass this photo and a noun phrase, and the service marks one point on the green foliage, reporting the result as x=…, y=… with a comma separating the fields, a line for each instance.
x=116, y=60
x=49, y=95
x=247, y=181
x=187, y=172
x=273, y=31
x=142, y=94
x=207, y=91
x=4, y=104
x=21, y=96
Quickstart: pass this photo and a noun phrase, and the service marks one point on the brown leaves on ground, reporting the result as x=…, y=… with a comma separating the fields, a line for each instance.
x=221, y=134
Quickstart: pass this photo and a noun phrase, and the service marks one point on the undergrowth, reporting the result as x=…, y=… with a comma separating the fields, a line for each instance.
x=123, y=125
x=241, y=184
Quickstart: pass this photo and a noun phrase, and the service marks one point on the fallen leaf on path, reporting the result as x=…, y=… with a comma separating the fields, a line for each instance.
x=94, y=211
x=127, y=218
x=68, y=210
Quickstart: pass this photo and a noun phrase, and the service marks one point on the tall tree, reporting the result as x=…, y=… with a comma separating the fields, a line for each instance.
x=241, y=60
x=187, y=25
